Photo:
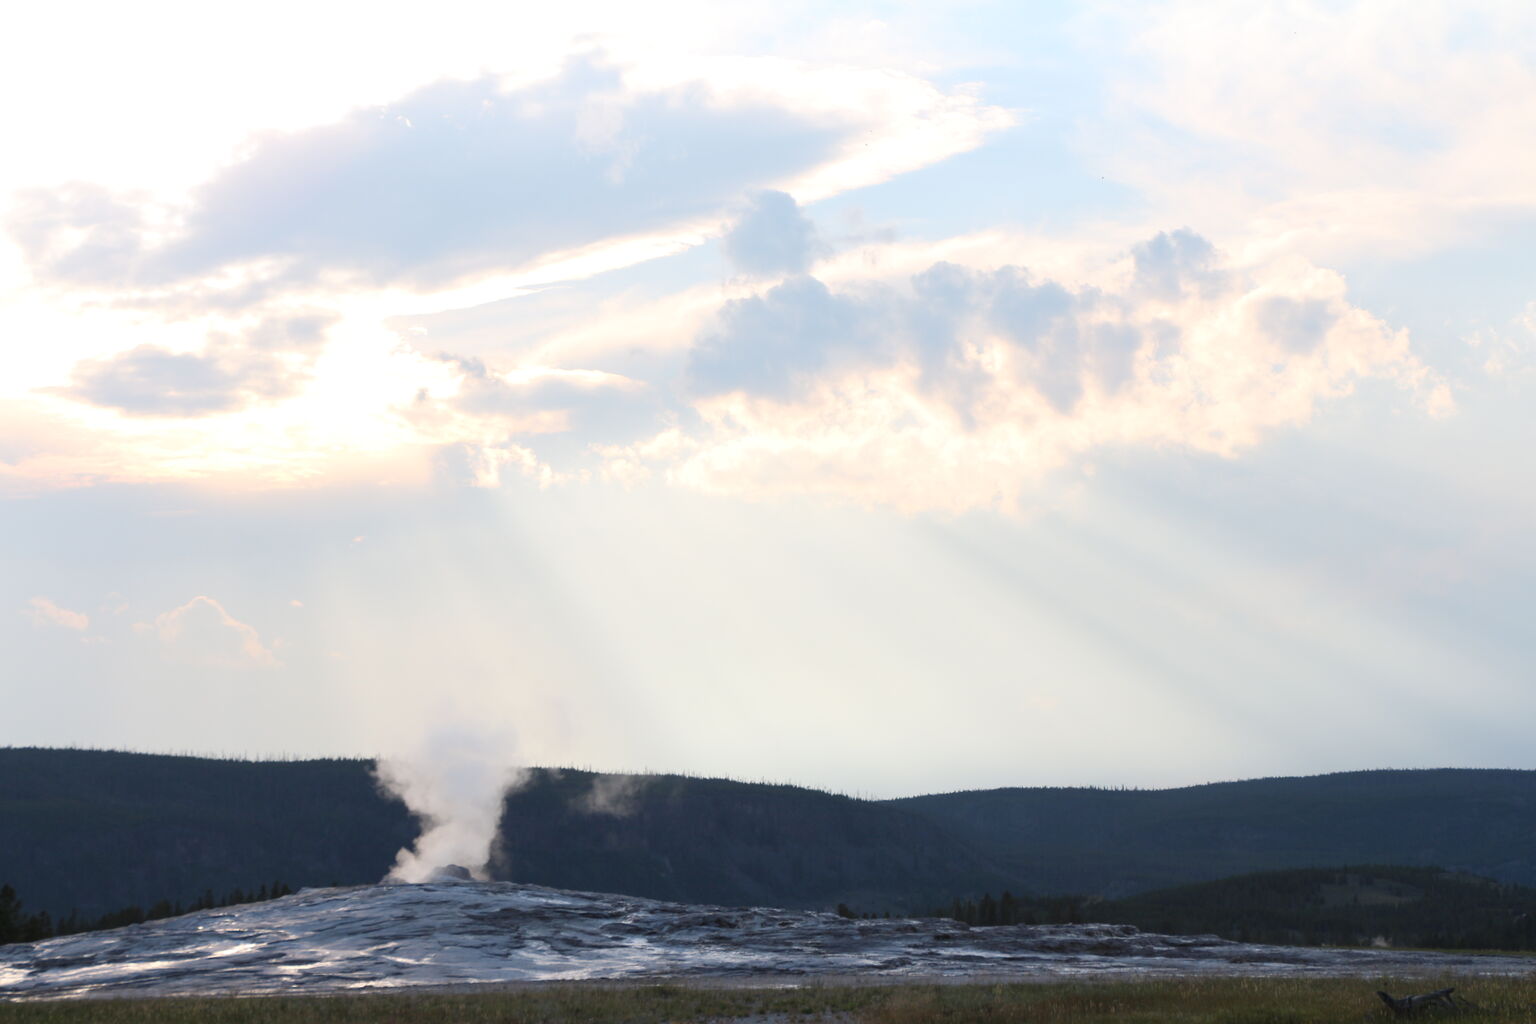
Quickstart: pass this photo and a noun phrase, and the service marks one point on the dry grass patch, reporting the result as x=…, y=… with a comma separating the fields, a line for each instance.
x=1166, y=1001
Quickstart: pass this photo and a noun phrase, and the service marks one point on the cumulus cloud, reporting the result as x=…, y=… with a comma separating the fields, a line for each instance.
x=201, y=632
x=44, y=612
x=247, y=324
x=775, y=342
x=957, y=386
x=772, y=237
x=1173, y=262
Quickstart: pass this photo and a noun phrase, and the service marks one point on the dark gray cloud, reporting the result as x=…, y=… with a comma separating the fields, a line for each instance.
x=458, y=177
x=773, y=237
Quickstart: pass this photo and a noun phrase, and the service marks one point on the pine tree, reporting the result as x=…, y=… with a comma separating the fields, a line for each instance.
x=10, y=915
x=37, y=927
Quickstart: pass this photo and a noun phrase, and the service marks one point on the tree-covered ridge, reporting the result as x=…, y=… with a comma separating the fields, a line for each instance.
x=1381, y=904
x=91, y=831
x=1350, y=906
x=96, y=831
x=18, y=925
x=1117, y=842
x=719, y=841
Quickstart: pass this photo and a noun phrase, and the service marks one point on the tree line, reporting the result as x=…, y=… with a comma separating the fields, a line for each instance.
x=1378, y=905
x=18, y=926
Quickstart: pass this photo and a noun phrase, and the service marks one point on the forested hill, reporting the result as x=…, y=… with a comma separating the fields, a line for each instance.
x=1397, y=906
x=95, y=831
x=1118, y=842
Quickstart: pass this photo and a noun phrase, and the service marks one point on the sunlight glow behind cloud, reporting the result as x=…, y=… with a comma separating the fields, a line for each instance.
x=1141, y=388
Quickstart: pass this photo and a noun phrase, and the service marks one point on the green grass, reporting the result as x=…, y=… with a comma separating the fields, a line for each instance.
x=1174, y=1001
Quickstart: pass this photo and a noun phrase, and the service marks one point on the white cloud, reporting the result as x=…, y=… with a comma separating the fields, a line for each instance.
x=959, y=387
x=1509, y=352
x=44, y=612
x=466, y=178
x=152, y=381
x=201, y=632
x=238, y=332
x=1328, y=129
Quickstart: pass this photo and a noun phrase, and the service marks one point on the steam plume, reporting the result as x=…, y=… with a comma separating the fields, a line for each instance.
x=454, y=784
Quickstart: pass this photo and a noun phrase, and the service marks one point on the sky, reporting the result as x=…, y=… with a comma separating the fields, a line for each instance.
x=889, y=398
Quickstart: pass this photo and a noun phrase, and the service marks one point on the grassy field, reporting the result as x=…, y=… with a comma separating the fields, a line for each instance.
x=1178, y=1001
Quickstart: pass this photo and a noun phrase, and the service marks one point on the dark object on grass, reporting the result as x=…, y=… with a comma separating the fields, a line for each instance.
x=1440, y=999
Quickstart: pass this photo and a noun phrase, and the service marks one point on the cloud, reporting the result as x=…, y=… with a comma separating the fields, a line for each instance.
x=267, y=362
x=302, y=331
x=464, y=177
x=773, y=237
x=551, y=400
x=44, y=612
x=1174, y=262
x=1510, y=351
x=79, y=232
x=1299, y=325
x=772, y=343
x=249, y=325
x=529, y=417
x=1329, y=129
x=959, y=386
x=201, y=632
x=152, y=381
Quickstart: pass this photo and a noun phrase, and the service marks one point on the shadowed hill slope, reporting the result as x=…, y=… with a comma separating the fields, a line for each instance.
x=1118, y=842
x=718, y=841
x=95, y=831
x=1398, y=906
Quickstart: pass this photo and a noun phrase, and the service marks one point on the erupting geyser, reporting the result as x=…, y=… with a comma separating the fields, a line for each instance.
x=455, y=785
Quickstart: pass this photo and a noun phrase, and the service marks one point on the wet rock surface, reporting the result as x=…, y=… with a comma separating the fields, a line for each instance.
x=456, y=933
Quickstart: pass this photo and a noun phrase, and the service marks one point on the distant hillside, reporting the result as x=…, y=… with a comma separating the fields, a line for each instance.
x=95, y=831
x=1418, y=907
x=1118, y=842
x=735, y=843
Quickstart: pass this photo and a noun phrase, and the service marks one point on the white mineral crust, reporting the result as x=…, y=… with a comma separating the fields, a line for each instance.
x=459, y=933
